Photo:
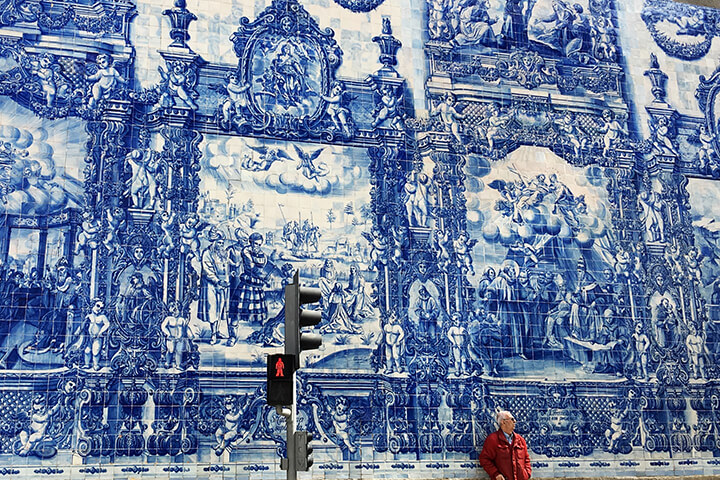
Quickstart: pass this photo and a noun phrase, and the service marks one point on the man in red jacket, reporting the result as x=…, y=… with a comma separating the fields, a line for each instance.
x=504, y=455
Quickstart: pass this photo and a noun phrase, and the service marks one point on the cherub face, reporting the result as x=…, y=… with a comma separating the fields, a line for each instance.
x=45, y=62
x=233, y=79
x=97, y=307
x=178, y=68
x=103, y=62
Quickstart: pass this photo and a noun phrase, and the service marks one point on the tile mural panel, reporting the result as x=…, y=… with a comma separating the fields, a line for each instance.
x=505, y=204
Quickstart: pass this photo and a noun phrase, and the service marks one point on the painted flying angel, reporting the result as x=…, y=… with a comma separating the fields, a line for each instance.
x=307, y=167
x=268, y=156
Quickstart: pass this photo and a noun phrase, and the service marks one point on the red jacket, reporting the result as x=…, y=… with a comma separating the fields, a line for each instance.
x=499, y=457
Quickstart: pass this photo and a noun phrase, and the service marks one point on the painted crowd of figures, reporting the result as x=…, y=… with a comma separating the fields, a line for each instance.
x=546, y=25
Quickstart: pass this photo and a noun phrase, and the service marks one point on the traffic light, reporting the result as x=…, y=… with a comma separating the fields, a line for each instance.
x=280, y=379
x=303, y=451
x=296, y=318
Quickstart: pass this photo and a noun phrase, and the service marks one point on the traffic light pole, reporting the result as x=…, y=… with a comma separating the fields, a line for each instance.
x=289, y=414
x=295, y=342
x=290, y=421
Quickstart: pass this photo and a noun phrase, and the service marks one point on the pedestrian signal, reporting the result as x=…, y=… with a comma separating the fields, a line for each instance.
x=280, y=380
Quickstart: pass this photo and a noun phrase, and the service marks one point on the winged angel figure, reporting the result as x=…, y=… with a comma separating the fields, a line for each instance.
x=267, y=156
x=307, y=167
x=176, y=88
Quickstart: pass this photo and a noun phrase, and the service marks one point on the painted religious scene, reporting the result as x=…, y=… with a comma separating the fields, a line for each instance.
x=551, y=283
x=266, y=210
x=503, y=205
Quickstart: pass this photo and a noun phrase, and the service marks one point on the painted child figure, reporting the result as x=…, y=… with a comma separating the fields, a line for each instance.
x=52, y=83
x=449, y=115
x=175, y=86
x=697, y=350
x=389, y=108
x=87, y=237
x=394, y=342
x=106, y=79
x=97, y=324
x=612, y=130
x=175, y=329
x=340, y=421
x=639, y=350
x=616, y=430
x=40, y=418
x=463, y=246
x=235, y=101
x=189, y=241
x=339, y=114
x=457, y=334
x=706, y=152
x=567, y=126
x=228, y=432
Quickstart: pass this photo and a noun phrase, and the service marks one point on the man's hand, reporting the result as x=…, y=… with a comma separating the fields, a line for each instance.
x=500, y=477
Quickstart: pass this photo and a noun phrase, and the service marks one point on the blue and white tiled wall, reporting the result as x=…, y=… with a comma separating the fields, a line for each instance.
x=507, y=204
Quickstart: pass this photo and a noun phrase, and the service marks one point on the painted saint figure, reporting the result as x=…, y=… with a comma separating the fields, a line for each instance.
x=514, y=29
x=251, y=294
x=474, y=24
x=214, y=282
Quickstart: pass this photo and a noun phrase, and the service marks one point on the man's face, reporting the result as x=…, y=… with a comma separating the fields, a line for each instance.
x=507, y=424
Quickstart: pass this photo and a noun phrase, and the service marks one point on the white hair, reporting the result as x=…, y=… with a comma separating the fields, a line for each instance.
x=502, y=415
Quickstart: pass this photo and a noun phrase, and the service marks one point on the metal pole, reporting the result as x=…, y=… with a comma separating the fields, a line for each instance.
x=291, y=447
x=288, y=463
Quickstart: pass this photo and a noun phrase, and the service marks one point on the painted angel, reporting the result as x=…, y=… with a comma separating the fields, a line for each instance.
x=176, y=88
x=307, y=167
x=267, y=156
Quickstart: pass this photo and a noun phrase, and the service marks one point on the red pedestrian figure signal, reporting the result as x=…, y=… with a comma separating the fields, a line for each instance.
x=279, y=367
x=280, y=379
